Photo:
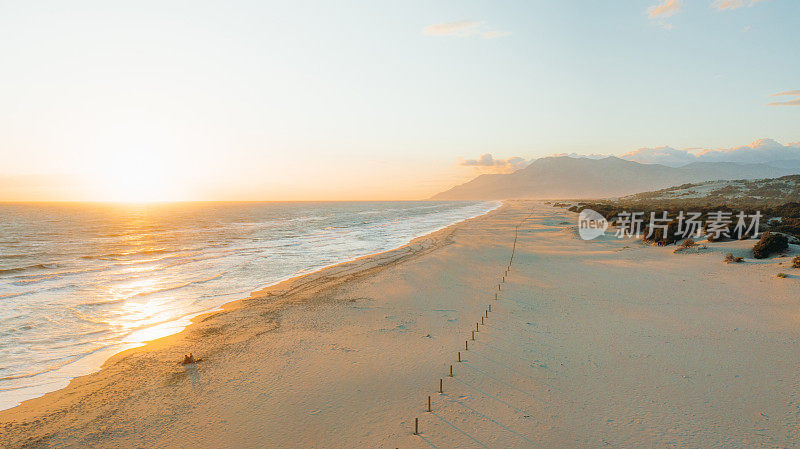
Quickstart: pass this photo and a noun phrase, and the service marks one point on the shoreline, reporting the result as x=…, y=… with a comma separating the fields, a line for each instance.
x=296, y=283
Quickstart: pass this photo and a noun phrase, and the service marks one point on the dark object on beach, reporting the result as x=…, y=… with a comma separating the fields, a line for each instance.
x=730, y=258
x=796, y=262
x=770, y=243
x=188, y=359
x=782, y=275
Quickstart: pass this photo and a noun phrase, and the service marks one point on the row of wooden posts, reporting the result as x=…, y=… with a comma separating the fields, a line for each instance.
x=477, y=329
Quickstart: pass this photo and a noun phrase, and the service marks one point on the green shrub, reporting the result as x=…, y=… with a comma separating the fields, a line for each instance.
x=796, y=262
x=782, y=275
x=770, y=243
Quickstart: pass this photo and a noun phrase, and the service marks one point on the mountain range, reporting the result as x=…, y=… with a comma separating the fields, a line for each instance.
x=570, y=177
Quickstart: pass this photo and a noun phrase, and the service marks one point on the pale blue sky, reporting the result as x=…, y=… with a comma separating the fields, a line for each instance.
x=351, y=99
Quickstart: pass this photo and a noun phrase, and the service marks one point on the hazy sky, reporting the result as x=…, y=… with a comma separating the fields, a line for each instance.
x=371, y=99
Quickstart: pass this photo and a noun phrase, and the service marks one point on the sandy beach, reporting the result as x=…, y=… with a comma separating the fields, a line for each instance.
x=605, y=343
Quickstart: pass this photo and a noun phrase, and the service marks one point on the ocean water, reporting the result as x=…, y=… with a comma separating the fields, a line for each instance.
x=81, y=282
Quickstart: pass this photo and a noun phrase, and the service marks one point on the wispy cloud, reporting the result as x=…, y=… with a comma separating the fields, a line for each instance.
x=463, y=28
x=734, y=4
x=788, y=93
x=668, y=8
x=664, y=9
x=488, y=163
x=795, y=102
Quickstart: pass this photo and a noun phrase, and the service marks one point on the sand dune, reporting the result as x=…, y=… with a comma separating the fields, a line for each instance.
x=590, y=344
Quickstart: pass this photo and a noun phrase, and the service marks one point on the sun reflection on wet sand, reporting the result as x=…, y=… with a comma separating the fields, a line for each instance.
x=87, y=281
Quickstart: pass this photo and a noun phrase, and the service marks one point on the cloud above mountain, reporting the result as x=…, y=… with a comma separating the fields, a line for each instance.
x=759, y=151
x=487, y=163
x=661, y=155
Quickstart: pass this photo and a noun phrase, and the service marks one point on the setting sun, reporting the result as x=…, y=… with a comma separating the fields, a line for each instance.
x=135, y=186
x=135, y=176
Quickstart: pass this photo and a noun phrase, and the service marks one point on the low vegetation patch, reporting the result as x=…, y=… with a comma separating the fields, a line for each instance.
x=796, y=262
x=770, y=243
x=730, y=258
x=689, y=245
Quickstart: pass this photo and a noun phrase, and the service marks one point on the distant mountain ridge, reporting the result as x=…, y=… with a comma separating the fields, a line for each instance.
x=568, y=177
